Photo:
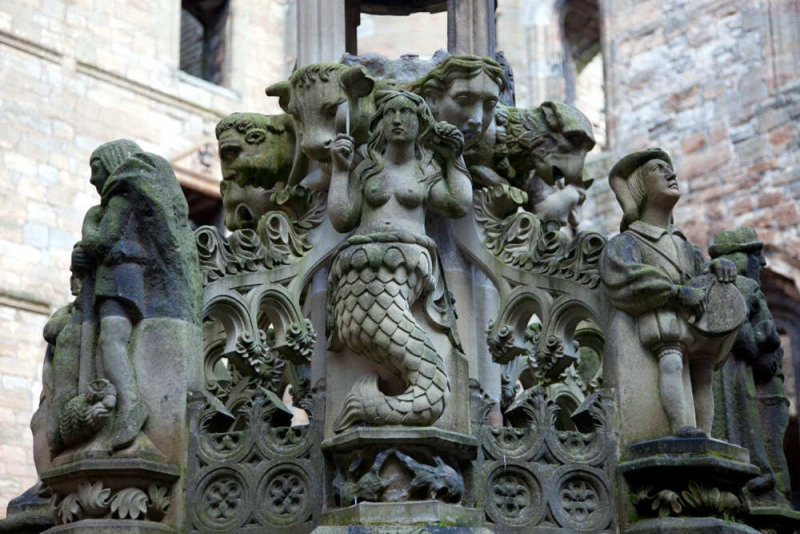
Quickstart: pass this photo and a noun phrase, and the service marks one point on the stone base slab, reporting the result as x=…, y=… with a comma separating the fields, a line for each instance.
x=113, y=472
x=109, y=526
x=711, y=461
x=462, y=445
x=687, y=525
x=403, y=514
x=401, y=530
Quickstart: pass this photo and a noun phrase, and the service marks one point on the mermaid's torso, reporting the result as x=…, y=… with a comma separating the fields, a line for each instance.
x=381, y=188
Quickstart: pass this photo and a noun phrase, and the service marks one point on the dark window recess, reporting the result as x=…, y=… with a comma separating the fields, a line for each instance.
x=204, y=209
x=204, y=39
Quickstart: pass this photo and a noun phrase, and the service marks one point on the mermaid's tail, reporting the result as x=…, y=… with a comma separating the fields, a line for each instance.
x=375, y=285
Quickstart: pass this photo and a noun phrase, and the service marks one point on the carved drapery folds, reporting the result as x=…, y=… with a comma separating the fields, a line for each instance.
x=110, y=431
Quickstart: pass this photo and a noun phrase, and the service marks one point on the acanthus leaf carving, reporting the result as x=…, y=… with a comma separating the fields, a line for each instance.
x=696, y=499
x=520, y=239
x=129, y=503
x=286, y=231
x=240, y=252
x=533, y=408
x=94, y=498
x=94, y=501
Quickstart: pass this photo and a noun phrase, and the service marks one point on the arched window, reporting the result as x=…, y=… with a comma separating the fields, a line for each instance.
x=583, y=63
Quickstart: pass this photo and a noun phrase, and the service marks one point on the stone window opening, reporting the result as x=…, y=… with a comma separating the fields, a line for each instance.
x=583, y=63
x=204, y=39
x=390, y=27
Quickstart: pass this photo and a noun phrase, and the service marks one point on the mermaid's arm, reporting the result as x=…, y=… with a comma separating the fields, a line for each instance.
x=344, y=195
x=452, y=196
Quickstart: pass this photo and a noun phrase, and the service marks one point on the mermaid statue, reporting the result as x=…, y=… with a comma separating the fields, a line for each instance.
x=411, y=164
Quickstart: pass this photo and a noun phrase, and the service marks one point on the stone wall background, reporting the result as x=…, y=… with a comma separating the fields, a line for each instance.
x=716, y=83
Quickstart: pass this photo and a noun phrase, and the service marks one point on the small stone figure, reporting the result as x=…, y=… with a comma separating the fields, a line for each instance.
x=440, y=482
x=60, y=379
x=368, y=487
x=412, y=164
x=138, y=260
x=317, y=96
x=540, y=151
x=753, y=367
x=655, y=275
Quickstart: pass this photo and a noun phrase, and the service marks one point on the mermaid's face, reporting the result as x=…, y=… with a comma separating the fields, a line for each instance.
x=400, y=121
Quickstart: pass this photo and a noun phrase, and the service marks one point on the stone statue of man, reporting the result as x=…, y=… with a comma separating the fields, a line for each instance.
x=749, y=387
x=137, y=251
x=655, y=275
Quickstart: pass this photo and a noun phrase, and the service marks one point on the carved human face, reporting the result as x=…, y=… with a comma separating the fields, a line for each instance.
x=755, y=264
x=400, y=121
x=99, y=175
x=468, y=104
x=660, y=183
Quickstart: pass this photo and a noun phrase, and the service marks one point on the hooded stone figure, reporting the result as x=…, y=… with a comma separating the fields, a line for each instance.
x=654, y=275
x=138, y=254
x=749, y=387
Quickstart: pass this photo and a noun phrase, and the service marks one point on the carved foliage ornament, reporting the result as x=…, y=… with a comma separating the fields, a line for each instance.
x=94, y=501
x=522, y=240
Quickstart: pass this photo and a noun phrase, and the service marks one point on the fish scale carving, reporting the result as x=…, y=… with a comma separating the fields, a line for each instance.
x=374, y=319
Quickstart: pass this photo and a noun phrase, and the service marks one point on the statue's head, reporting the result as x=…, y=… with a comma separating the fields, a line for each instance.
x=641, y=178
x=400, y=110
x=551, y=140
x=743, y=248
x=256, y=149
x=107, y=157
x=464, y=91
x=313, y=95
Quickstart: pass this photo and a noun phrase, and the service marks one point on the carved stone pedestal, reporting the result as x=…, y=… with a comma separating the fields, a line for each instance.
x=29, y=513
x=372, y=518
x=687, y=485
x=444, y=441
x=400, y=476
x=112, y=495
x=707, y=525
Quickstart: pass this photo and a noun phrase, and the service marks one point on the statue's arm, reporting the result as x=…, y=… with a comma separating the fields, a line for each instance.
x=99, y=238
x=452, y=196
x=344, y=194
x=634, y=286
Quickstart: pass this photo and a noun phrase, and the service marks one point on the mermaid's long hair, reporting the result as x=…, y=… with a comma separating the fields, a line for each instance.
x=373, y=164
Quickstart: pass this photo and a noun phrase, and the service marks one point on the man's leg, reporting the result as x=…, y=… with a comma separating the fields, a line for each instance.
x=670, y=386
x=115, y=331
x=702, y=375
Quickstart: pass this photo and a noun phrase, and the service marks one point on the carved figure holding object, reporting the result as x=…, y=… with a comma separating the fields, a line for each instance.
x=686, y=311
x=412, y=164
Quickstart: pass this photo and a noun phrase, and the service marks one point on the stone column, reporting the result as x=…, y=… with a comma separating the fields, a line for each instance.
x=320, y=31
x=470, y=27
